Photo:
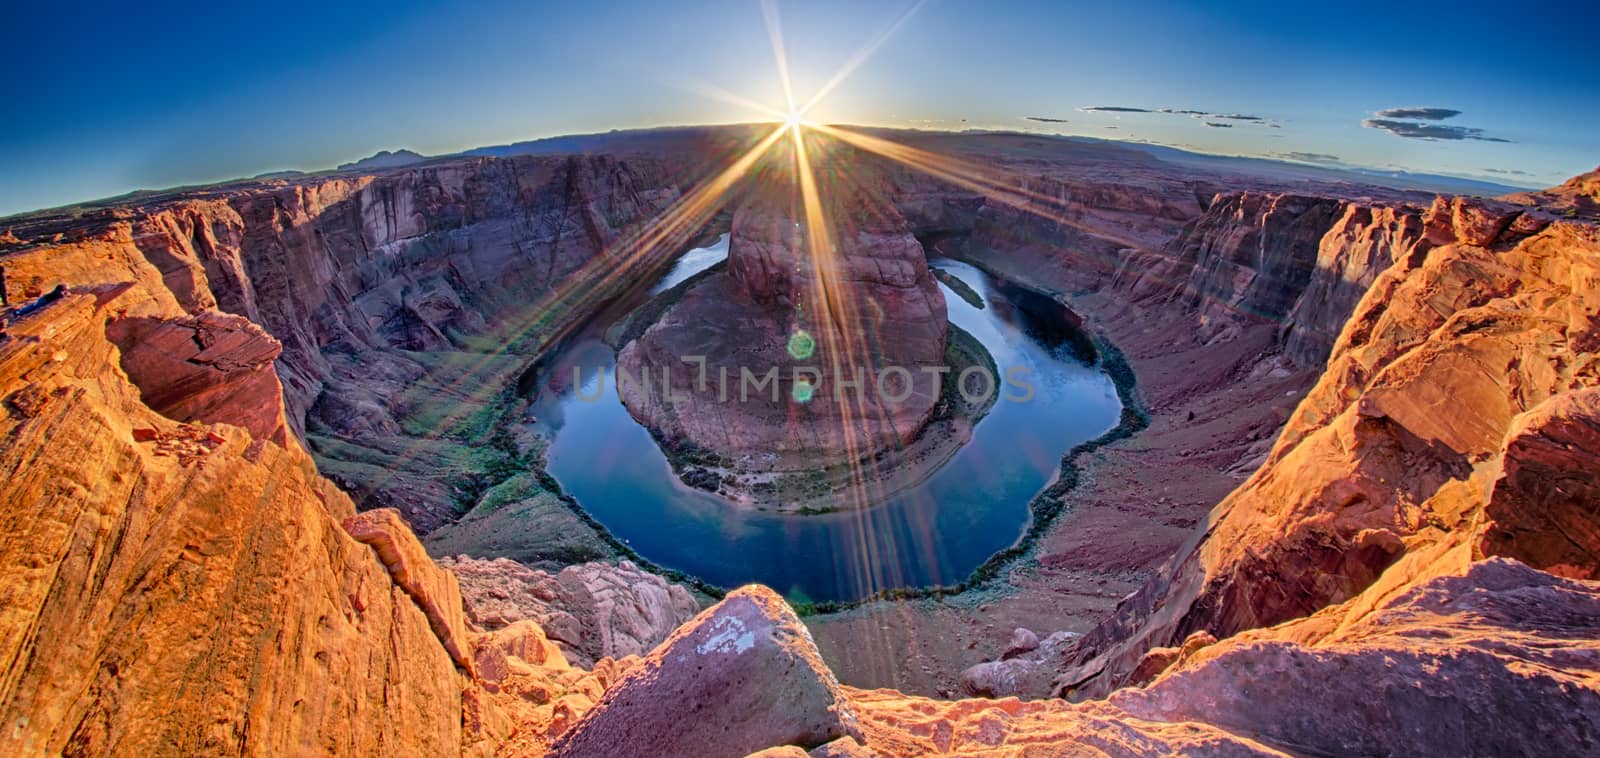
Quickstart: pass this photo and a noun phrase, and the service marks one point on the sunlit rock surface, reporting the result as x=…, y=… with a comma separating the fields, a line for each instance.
x=594, y=610
x=741, y=676
x=1401, y=443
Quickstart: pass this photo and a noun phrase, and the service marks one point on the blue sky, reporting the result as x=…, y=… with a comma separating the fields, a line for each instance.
x=103, y=98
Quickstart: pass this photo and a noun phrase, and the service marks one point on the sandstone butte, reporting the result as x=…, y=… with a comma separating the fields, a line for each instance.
x=1408, y=566
x=742, y=320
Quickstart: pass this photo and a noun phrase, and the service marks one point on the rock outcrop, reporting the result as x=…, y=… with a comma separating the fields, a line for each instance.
x=192, y=588
x=1428, y=406
x=593, y=610
x=1414, y=559
x=1578, y=197
x=742, y=676
x=1544, y=509
x=1394, y=679
x=178, y=588
x=211, y=367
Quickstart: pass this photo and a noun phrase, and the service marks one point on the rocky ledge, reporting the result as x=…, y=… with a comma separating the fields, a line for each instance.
x=592, y=610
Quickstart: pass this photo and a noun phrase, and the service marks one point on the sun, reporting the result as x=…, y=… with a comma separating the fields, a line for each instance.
x=794, y=119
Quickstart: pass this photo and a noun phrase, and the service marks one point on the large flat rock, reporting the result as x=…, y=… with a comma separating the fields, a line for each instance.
x=741, y=677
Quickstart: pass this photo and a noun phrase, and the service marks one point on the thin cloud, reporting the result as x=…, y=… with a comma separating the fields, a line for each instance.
x=1205, y=116
x=1509, y=171
x=1429, y=132
x=1046, y=119
x=1421, y=114
x=1215, y=125
x=1309, y=157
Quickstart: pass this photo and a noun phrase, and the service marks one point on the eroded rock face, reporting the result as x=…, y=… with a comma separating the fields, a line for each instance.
x=434, y=590
x=188, y=589
x=1399, y=442
x=871, y=314
x=1298, y=262
x=346, y=273
x=742, y=676
x=593, y=610
x=212, y=367
x=1545, y=508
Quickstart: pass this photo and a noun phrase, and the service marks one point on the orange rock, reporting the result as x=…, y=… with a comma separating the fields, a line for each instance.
x=432, y=588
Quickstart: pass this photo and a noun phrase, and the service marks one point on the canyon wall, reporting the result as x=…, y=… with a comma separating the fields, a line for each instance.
x=125, y=526
x=1295, y=262
x=196, y=588
x=1413, y=560
x=355, y=277
x=1468, y=362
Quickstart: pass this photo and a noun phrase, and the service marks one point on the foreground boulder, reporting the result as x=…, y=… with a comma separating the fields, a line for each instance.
x=741, y=677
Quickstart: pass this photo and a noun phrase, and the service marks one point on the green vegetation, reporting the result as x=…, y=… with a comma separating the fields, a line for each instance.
x=961, y=288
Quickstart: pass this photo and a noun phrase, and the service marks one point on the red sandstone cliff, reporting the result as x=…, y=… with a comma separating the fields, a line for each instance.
x=1468, y=362
x=347, y=274
x=1413, y=560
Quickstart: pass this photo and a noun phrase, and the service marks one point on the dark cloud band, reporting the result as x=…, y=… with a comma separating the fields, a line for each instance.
x=1422, y=114
x=1203, y=115
x=1413, y=130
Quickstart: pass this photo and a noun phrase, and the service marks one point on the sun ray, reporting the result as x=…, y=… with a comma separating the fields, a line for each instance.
x=583, y=288
x=970, y=176
x=713, y=92
x=1011, y=191
x=861, y=56
x=871, y=548
x=769, y=15
x=835, y=306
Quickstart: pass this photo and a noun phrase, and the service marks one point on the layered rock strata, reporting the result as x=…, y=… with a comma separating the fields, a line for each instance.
x=1463, y=364
x=386, y=295
x=1422, y=529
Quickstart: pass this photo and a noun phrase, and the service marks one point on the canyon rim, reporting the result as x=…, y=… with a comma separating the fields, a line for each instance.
x=665, y=441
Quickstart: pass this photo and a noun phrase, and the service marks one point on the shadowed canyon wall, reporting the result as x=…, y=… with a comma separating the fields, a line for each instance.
x=360, y=279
